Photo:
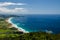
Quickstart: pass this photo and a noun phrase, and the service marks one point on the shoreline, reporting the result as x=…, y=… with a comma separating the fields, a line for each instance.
x=14, y=25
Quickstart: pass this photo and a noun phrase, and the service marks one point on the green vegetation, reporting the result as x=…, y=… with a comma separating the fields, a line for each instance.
x=31, y=36
x=39, y=36
x=7, y=33
x=4, y=28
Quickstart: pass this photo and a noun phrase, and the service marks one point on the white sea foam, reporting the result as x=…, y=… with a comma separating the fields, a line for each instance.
x=14, y=25
x=48, y=31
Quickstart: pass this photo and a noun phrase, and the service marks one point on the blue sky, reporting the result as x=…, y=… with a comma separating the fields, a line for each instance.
x=30, y=6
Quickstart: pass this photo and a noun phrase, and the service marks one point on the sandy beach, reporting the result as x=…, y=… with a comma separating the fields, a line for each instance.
x=14, y=25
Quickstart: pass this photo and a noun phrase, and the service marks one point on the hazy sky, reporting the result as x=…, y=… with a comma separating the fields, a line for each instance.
x=30, y=6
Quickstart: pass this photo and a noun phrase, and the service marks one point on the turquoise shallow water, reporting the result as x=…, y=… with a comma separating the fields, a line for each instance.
x=35, y=23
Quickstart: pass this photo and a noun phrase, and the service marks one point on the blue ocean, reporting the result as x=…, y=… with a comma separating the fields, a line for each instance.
x=37, y=23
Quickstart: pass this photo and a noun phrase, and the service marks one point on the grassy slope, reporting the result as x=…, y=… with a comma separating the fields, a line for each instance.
x=33, y=36
x=4, y=30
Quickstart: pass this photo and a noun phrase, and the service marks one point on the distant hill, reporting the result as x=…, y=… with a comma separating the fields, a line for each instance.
x=4, y=15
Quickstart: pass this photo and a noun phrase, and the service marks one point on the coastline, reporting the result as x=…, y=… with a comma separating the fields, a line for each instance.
x=14, y=25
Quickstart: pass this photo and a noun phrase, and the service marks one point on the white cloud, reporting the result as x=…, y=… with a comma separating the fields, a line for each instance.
x=10, y=3
x=15, y=10
x=4, y=9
